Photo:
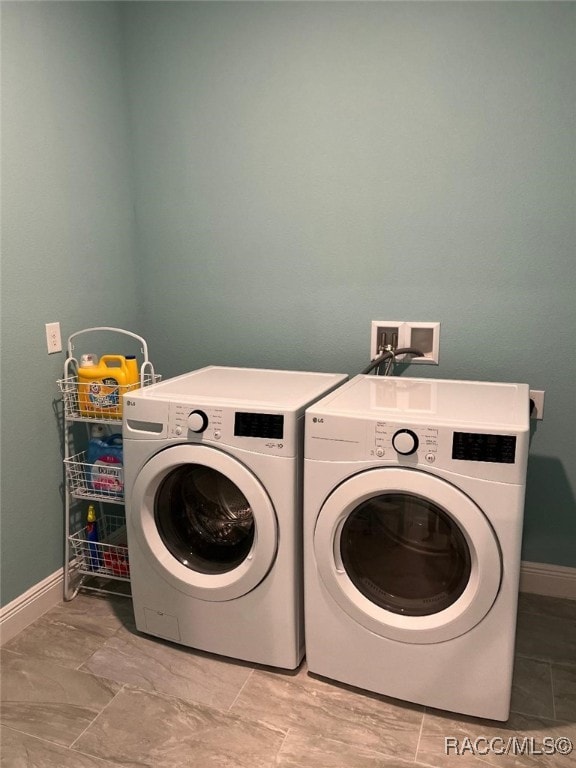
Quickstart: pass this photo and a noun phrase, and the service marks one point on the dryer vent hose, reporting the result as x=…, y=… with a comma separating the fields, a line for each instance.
x=392, y=355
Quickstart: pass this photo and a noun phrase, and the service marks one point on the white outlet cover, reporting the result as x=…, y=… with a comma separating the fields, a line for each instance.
x=537, y=397
x=53, y=338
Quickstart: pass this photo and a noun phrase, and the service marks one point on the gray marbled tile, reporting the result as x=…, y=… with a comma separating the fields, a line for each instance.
x=156, y=665
x=532, y=688
x=548, y=638
x=336, y=712
x=71, y=632
x=49, y=701
x=547, y=606
x=306, y=750
x=19, y=750
x=564, y=685
x=150, y=729
x=433, y=750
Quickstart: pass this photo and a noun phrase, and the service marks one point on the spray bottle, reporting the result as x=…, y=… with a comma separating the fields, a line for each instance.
x=94, y=559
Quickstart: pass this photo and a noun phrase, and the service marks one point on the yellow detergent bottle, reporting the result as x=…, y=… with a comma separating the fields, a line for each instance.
x=101, y=386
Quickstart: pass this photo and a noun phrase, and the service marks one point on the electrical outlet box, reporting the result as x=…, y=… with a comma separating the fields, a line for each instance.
x=537, y=397
x=53, y=338
x=399, y=334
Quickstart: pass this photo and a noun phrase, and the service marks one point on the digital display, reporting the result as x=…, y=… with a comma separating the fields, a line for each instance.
x=472, y=446
x=268, y=425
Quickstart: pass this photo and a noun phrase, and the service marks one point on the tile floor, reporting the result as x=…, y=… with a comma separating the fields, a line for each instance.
x=81, y=688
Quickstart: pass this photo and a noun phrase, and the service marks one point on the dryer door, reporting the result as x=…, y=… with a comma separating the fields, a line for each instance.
x=407, y=555
x=205, y=522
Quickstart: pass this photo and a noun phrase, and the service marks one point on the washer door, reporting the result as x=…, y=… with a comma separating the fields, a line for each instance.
x=204, y=521
x=407, y=555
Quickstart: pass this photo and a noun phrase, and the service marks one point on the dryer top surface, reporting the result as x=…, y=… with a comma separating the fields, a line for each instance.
x=439, y=401
x=287, y=390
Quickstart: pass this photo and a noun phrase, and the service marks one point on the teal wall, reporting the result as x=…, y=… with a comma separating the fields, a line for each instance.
x=299, y=169
x=67, y=247
x=304, y=168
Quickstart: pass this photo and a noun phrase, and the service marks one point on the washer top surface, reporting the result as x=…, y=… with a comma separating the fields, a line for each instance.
x=442, y=401
x=288, y=390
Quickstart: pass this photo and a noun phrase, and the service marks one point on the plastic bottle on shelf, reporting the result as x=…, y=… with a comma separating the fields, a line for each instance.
x=105, y=459
x=95, y=561
x=101, y=385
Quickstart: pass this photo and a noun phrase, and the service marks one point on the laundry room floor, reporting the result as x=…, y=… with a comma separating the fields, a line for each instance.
x=81, y=688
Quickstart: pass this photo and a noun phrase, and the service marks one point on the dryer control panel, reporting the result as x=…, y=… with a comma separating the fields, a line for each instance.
x=465, y=446
x=392, y=440
x=483, y=454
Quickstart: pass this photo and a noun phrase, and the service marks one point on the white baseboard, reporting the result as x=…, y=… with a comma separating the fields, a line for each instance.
x=550, y=580
x=538, y=578
x=25, y=609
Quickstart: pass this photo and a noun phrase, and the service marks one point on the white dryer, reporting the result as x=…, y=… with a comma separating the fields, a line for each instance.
x=413, y=511
x=213, y=485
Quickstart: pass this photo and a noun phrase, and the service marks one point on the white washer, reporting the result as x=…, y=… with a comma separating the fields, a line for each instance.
x=413, y=511
x=213, y=483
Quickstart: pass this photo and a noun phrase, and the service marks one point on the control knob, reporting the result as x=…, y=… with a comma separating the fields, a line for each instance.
x=405, y=442
x=197, y=421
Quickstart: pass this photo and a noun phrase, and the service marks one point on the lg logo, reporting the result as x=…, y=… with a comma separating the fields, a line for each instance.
x=316, y=420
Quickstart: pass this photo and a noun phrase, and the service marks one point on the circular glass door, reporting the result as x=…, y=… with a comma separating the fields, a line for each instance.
x=203, y=521
x=407, y=555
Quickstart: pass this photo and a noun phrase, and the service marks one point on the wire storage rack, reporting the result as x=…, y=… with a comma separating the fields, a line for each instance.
x=93, y=481
x=101, y=563
x=74, y=397
x=107, y=557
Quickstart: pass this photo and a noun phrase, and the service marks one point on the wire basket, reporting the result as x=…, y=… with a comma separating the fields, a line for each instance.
x=94, y=481
x=80, y=406
x=109, y=555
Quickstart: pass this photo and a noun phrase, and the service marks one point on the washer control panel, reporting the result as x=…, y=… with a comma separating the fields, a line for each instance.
x=260, y=432
x=199, y=421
